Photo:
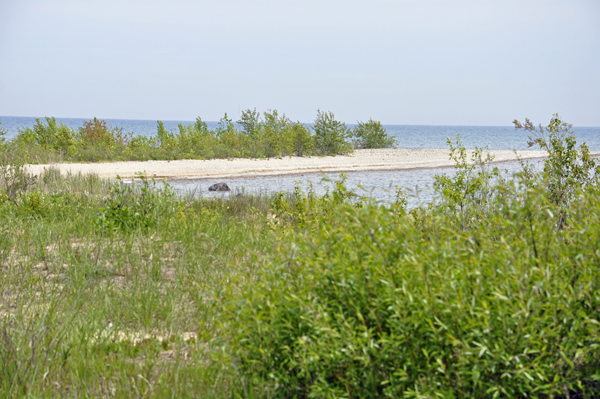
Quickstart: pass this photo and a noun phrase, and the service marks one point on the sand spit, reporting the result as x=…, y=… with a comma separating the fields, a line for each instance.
x=360, y=160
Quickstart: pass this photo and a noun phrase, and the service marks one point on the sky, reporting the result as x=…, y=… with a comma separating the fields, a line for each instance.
x=410, y=62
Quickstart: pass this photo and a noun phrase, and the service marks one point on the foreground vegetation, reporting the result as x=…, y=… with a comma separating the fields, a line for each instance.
x=120, y=290
x=269, y=135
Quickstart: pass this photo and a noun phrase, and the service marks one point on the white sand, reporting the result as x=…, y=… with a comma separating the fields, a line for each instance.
x=360, y=160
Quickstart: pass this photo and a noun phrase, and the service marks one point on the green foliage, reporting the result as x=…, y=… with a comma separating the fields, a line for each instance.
x=250, y=123
x=468, y=193
x=372, y=135
x=567, y=171
x=49, y=136
x=298, y=140
x=302, y=210
x=260, y=136
x=361, y=305
x=478, y=296
x=195, y=141
x=130, y=208
x=331, y=135
x=114, y=290
x=95, y=140
x=274, y=135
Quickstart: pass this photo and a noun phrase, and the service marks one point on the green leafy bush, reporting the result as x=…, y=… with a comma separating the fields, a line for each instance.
x=567, y=170
x=50, y=137
x=130, y=208
x=372, y=135
x=331, y=136
x=274, y=135
x=470, y=191
x=364, y=306
x=97, y=142
x=479, y=296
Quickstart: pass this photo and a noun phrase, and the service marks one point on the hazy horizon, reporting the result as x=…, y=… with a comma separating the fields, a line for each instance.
x=427, y=63
x=350, y=123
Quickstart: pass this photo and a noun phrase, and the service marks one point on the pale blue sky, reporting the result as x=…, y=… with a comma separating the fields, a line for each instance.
x=401, y=62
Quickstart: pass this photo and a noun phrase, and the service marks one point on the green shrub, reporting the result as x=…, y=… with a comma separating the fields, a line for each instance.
x=470, y=191
x=301, y=210
x=567, y=171
x=364, y=306
x=331, y=135
x=274, y=135
x=130, y=208
x=479, y=296
x=371, y=135
x=195, y=140
x=49, y=136
x=298, y=140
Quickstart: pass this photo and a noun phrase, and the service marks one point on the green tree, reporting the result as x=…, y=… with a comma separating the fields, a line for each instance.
x=331, y=135
x=49, y=136
x=250, y=122
x=298, y=139
x=372, y=135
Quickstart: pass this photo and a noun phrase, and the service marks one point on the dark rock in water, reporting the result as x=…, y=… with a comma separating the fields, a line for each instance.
x=219, y=187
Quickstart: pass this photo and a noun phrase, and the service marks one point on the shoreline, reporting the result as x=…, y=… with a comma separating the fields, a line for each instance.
x=358, y=161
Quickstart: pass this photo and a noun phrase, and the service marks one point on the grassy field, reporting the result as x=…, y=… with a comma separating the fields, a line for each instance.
x=109, y=289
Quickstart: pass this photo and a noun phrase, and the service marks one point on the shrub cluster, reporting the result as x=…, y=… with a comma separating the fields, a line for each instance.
x=493, y=292
x=254, y=136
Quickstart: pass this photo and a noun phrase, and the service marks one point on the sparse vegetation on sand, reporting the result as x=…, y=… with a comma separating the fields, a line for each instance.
x=131, y=290
x=255, y=136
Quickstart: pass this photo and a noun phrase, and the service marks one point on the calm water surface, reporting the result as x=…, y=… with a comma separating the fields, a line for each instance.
x=380, y=185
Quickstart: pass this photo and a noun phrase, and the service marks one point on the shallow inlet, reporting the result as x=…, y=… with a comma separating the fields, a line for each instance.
x=379, y=185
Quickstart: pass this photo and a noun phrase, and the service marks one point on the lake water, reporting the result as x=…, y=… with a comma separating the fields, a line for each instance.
x=377, y=184
x=380, y=185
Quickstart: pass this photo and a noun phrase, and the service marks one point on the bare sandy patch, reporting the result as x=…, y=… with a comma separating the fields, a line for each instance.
x=360, y=160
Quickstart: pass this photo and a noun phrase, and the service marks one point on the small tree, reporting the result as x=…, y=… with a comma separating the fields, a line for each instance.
x=372, y=135
x=49, y=136
x=331, y=135
x=250, y=122
x=567, y=171
x=96, y=133
x=298, y=139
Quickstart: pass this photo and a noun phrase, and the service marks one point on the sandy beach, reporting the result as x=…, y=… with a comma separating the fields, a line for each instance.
x=360, y=160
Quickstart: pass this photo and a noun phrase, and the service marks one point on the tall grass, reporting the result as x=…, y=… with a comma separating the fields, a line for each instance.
x=111, y=289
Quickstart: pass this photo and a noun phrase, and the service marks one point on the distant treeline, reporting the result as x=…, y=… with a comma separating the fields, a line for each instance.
x=255, y=136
